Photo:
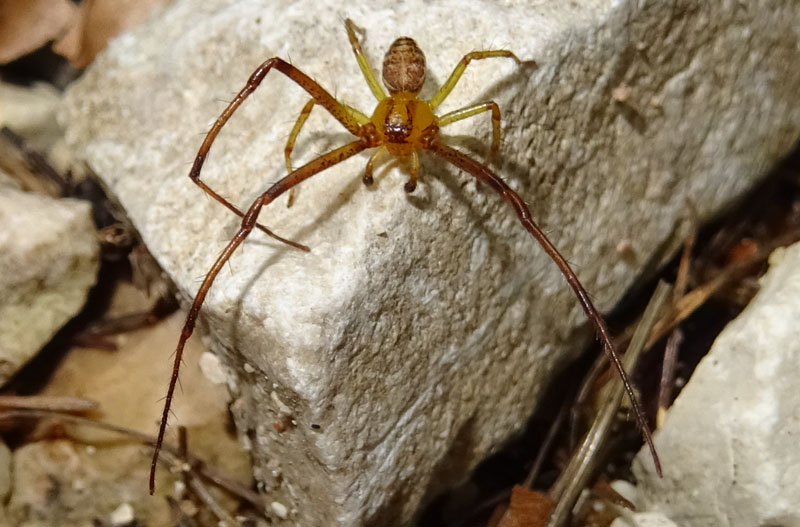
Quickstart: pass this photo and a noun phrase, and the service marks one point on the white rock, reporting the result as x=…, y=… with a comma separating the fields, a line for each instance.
x=643, y=519
x=122, y=515
x=417, y=335
x=629, y=518
x=48, y=263
x=729, y=445
x=279, y=509
x=30, y=112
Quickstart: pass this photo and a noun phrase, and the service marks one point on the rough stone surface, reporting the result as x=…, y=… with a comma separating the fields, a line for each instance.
x=48, y=263
x=418, y=333
x=729, y=443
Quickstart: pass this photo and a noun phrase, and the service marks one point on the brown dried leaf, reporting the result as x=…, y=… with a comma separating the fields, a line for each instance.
x=98, y=22
x=26, y=25
x=528, y=508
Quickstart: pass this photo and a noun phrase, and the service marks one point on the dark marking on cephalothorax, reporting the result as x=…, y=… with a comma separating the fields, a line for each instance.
x=397, y=125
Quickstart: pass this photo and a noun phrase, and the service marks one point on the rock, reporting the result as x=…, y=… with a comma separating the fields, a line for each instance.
x=632, y=518
x=30, y=112
x=417, y=335
x=729, y=443
x=48, y=263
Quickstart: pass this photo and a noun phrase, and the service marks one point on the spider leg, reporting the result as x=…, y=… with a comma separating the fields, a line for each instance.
x=363, y=63
x=231, y=207
x=411, y=184
x=451, y=82
x=483, y=174
x=317, y=92
x=249, y=221
x=301, y=120
x=469, y=111
x=367, y=178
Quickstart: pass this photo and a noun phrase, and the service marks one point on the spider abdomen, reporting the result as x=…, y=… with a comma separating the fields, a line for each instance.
x=404, y=67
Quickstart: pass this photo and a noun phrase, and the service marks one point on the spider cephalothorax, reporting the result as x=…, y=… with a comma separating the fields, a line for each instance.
x=402, y=124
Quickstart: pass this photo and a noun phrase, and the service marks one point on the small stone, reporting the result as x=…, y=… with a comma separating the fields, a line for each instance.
x=122, y=515
x=279, y=509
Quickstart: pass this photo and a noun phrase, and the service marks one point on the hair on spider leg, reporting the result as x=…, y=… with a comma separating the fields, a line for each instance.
x=403, y=124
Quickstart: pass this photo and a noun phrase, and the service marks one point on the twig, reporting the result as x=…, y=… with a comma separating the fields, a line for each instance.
x=555, y=426
x=197, y=487
x=52, y=403
x=582, y=465
x=682, y=279
x=668, y=375
x=675, y=338
x=698, y=296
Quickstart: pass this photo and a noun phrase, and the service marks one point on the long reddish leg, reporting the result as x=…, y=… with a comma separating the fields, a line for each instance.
x=317, y=92
x=484, y=175
x=249, y=221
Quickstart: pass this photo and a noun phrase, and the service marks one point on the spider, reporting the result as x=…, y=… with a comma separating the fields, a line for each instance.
x=402, y=124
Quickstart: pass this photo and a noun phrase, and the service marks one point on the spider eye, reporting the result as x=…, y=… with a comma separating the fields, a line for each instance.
x=404, y=66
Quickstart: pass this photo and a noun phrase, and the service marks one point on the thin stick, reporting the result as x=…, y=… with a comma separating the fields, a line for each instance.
x=485, y=175
x=667, y=381
x=552, y=432
x=197, y=487
x=53, y=403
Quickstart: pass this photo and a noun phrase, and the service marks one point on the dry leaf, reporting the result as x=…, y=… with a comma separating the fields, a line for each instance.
x=98, y=22
x=26, y=25
x=528, y=508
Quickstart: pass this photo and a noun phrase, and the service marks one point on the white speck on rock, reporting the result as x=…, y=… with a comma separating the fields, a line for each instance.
x=282, y=408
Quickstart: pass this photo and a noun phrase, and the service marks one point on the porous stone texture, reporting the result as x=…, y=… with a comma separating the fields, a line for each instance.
x=416, y=336
x=729, y=443
x=48, y=263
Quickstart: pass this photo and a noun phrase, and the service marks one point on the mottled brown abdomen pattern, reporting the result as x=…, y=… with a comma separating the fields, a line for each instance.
x=404, y=66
